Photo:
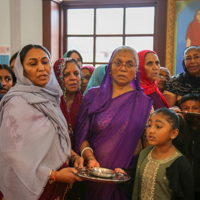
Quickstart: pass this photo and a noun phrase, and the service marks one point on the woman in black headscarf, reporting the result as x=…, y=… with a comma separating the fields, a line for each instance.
x=186, y=82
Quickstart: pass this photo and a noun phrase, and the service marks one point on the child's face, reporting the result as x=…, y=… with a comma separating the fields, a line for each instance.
x=191, y=106
x=159, y=131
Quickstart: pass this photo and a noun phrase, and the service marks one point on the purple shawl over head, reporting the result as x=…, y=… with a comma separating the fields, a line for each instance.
x=113, y=128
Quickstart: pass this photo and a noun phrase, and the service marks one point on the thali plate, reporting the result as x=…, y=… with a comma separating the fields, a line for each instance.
x=189, y=113
x=118, y=178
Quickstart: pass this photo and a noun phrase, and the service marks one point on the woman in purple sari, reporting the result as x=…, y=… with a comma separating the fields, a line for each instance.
x=111, y=121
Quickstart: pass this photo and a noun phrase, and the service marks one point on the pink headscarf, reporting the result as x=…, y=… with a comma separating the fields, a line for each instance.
x=90, y=68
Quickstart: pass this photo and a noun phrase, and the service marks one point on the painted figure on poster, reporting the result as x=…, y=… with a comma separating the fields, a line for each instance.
x=193, y=31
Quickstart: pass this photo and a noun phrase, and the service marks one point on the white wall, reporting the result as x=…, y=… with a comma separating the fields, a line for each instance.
x=4, y=22
x=20, y=23
x=31, y=22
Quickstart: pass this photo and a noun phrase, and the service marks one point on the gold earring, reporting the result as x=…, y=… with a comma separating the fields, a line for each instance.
x=135, y=76
x=110, y=74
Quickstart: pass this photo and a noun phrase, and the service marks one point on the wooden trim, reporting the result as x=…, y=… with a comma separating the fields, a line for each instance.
x=111, y=35
x=47, y=24
x=160, y=22
x=160, y=30
x=61, y=38
x=94, y=38
x=106, y=2
x=51, y=28
x=109, y=5
x=65, y=30
x=124, y=22
x=171, y=12
x=55, y=31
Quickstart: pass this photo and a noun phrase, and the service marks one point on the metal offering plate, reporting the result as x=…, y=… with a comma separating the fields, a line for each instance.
x=189, y=113
x=89, y=174
x=102, y=172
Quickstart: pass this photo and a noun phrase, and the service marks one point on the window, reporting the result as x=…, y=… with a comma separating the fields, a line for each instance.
x=96, y=32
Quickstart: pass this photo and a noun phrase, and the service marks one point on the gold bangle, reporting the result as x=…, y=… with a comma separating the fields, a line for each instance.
x=49, y=174
x=73, y=160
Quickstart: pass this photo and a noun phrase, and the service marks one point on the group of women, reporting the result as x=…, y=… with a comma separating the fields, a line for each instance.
x=50, y=126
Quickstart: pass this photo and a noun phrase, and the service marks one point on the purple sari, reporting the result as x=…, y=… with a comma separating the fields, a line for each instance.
x=113, y=128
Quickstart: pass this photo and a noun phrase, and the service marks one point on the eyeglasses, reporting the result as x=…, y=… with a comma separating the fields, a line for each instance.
x=129, y=65
x=189, y=59
x=164, y=77
x=86, y=77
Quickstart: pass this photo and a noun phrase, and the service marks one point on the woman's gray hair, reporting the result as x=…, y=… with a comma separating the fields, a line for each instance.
x=72, y=60
x=191, y=48
x=127, y=48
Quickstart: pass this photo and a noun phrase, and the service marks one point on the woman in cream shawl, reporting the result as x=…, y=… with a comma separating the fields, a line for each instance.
x=35, y=145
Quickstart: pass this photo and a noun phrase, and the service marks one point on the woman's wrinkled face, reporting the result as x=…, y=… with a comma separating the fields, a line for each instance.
x=86, y=75
x=72, y=78
x=76, y=57
x=6, y=81
x=152, y=66
x=163, y=78
x=198, y=15
x=37, y=67
x=123, y=68
x=192, y=62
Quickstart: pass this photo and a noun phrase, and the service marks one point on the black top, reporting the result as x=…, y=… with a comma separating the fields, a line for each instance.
x=193, y=147
x=181, y=179
x=183, y=84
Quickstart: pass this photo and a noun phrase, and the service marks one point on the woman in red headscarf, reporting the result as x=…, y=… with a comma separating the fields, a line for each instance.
x=149, y=66
x=193, y=31
x=68, y=74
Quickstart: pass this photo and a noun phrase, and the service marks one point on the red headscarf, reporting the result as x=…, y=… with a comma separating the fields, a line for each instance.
x=90, y=68
x=72, y=114
x=145, y=83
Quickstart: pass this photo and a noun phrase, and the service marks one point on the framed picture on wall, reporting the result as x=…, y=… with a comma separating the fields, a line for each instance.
x=183, y=30
x=4, y=54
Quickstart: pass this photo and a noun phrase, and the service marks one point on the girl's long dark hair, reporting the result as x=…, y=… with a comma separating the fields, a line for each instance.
x=177, y=122
x=4, y=66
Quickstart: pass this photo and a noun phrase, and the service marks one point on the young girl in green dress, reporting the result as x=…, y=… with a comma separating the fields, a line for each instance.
x=162, y=171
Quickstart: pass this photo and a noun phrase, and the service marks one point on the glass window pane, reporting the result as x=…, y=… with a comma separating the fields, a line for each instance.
x=84, y=45
x=86, y=64
x=140, y=20
x=105, y=46
x=140, y=43
x=97, y=65
x=80, y=21
x=109, y=21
